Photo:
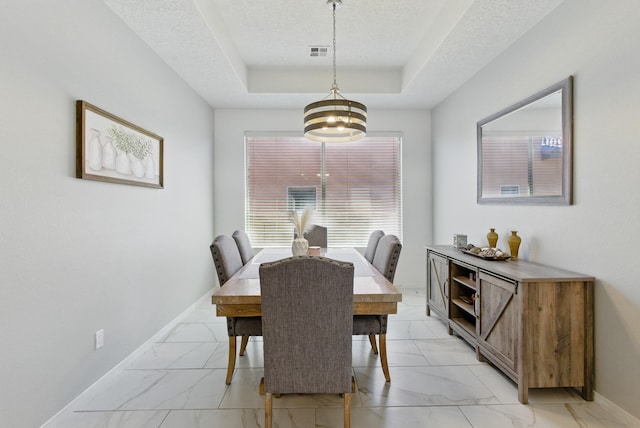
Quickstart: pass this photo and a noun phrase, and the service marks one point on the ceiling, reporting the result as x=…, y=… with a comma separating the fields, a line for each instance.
x=389, y=54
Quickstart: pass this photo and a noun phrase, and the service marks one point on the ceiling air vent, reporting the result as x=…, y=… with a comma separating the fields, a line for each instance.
x=318, y=51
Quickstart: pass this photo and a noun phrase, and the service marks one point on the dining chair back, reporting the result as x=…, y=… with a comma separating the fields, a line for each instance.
x=226, y=257
x=228, y=261
x=307, y=315
x=387, y=255
x=370, y=251
x=244, y=245
x=317, y=237
x=385, y=261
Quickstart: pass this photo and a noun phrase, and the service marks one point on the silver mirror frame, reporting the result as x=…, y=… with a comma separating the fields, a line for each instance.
x=566, y=88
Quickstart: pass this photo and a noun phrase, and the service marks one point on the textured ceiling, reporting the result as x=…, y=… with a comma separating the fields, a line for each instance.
x=400, y=54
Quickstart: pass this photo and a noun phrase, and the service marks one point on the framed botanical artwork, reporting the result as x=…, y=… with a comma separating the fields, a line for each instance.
x=111, y=149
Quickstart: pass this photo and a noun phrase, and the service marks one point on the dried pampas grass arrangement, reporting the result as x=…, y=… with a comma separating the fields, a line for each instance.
x=303, y=222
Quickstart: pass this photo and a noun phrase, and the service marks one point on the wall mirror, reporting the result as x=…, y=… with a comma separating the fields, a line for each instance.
x=524, y=151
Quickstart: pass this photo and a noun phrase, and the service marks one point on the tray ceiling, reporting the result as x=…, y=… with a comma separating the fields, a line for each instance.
x=400, y=54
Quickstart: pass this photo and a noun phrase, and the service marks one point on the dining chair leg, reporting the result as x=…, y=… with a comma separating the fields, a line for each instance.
x=372, y=340
x=347, y=410
x=268, y=410
x=243, y=344
x=383, y=356
x=231, y=365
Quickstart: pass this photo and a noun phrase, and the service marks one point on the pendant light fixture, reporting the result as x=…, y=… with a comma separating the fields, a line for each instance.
x=335, y=119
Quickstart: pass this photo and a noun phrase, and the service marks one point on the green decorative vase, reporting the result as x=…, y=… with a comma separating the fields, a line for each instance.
x=492, y=237
x=514, y=244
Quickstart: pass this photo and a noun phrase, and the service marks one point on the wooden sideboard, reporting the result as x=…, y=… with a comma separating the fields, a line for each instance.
x=531, y=321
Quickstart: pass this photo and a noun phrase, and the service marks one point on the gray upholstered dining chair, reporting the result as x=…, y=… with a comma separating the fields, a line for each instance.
x=370, y=251
x=244, y=245
x=227, y=260
x=307, y=314
x=317, y=236
x=385, y=261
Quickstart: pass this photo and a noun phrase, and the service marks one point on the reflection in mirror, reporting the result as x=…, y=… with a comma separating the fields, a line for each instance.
x=524, y=151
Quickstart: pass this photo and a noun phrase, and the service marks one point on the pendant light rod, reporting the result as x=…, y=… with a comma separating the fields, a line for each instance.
x=335, y=120
x=335, y=79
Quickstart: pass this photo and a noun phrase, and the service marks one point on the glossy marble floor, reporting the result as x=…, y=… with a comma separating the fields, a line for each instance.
x=436, y=381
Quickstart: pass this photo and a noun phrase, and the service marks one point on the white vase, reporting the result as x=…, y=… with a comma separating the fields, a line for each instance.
x=136, y=166
x=108, y=154
x=149, y=167
x=299, y=247
x=95, y=150
x=123, y=164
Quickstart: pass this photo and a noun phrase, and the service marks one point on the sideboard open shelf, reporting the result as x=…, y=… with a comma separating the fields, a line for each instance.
x=533, y=322
x=463, y=293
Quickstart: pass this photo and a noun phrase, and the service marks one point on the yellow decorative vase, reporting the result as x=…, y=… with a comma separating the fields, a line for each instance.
x=492, y=237
x=514, y=244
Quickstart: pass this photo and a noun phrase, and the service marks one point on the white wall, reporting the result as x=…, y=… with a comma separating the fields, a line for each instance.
x=77, y=256
x=415, y=127
x=597, y=42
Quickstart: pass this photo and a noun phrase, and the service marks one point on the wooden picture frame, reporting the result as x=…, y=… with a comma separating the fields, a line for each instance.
x=112, y=149
x=525, y=150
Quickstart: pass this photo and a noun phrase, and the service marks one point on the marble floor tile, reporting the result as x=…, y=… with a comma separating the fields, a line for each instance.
x=363, y=356
x=554, y=395
x=252, y=358
x=447, y=352
x=176, y=356
x=592, y=415
x=499, y=384
x=301, y=401
x=204, y=314
x=239, y=418
x=514, y=415
x=414, y=296
x=399, y=353
x=416, y=330
x=198, y=332
x=395, y=417
x=245, y=392
x=540, y=416
x=156, y=389
x=423, y=386
x=507, y=391
x=143, y=419
x=408, y=313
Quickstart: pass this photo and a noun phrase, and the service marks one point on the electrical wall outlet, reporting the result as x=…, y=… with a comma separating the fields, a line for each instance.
x=99, y=339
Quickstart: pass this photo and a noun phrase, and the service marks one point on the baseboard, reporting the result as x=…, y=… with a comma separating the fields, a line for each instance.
x=626, y=417
x=139, y=351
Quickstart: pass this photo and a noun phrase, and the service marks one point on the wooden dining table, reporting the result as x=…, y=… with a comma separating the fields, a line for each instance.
x=373, y=294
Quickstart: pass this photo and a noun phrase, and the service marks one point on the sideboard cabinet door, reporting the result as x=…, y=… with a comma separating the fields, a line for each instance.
x=437, y=284
x=499, y=315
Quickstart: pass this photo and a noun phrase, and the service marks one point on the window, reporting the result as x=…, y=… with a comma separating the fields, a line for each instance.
x=353, y=187
x=509, y=190
x=300, y=198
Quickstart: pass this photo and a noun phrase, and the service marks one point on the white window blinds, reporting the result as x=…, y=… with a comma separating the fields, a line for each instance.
x=354, y=188
x=525, y=165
